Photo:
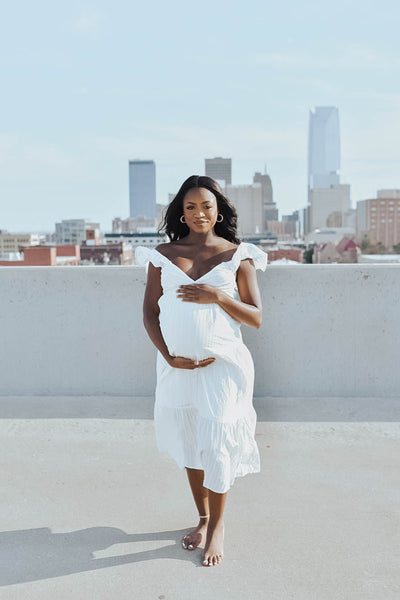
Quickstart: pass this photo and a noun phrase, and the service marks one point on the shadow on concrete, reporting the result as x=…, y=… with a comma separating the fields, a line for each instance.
x=268, y=409
x=34, y=554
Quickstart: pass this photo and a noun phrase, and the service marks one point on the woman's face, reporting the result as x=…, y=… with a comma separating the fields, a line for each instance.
x=200, y=209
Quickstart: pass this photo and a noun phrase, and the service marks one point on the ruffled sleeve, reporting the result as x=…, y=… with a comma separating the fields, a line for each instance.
x=144, y=255
x=247, y=250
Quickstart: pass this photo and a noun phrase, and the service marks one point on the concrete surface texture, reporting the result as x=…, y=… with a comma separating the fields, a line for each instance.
x=328, y=330
x=91, y=510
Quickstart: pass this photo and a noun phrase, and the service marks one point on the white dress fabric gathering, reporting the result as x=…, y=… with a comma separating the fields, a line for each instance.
x=204, y=418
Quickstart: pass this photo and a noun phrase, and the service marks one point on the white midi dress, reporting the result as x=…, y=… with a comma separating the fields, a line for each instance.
x=204, y=418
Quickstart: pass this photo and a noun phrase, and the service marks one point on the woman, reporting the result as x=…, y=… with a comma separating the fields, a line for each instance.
x=201, y=286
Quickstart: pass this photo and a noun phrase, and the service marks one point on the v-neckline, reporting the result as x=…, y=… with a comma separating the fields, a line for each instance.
x=214, y=267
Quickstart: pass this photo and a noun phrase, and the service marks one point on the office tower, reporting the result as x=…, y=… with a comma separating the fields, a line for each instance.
x=379, y=219
x=247, y=199
x=323, y=147
x=266, y=186
x=326, y=201
x=142, y=188
x=326, y=195
x=73, y=231
x=220, y=169
x=270, y=210
x=133, y=225
x=14, y=242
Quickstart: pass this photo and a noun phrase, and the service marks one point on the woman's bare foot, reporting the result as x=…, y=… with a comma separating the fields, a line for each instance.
x=214, y=548
x=195, y=537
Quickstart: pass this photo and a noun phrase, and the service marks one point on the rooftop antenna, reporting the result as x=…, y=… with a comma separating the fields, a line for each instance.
x=265, y=168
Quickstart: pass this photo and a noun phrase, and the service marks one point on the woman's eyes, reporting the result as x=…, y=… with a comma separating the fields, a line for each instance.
x=190, y=207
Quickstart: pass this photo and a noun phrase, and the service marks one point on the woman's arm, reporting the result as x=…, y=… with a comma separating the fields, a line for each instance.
x=151, y=310
x=247, y=310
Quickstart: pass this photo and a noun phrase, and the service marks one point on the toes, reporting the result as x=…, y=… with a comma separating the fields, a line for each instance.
x=207, y=561
x=192, y=540
x=188, y=543
x=211, y=561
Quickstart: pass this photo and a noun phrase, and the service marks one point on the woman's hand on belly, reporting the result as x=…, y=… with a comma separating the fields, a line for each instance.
x=198, y=292
x=181, y=362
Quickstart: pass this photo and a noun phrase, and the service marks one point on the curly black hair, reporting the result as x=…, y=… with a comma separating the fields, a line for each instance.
x=176, y=230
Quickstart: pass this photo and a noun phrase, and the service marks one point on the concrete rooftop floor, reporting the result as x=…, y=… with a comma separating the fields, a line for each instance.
x=91, y=510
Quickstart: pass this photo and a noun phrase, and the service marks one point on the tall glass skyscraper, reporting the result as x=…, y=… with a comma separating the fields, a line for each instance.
x=142, y=188
x=323, y=147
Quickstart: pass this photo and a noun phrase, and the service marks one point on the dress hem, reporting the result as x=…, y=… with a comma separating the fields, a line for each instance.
x=250, y=471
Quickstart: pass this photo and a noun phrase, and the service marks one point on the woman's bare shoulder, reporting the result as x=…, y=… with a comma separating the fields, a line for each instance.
x=232, y=246
x=227, y=247
x=165, y=249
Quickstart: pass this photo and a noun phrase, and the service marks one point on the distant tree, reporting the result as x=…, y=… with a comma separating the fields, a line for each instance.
x=396, y=248
x=381, y=248
x=308, y=254
x=368, y=247
x=365, y=243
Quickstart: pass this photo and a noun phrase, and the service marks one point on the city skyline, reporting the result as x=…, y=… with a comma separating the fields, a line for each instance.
x=78, y=104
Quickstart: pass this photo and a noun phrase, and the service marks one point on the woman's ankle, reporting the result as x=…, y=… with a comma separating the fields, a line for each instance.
x=214, y=522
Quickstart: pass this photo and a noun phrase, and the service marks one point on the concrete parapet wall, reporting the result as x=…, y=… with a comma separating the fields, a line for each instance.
x=328, y=330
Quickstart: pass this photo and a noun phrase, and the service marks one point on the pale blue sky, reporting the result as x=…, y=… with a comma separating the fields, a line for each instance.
x=87, y=86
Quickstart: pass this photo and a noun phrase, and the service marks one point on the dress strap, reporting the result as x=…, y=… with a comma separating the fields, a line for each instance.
x=144, y=255
x=247, y=250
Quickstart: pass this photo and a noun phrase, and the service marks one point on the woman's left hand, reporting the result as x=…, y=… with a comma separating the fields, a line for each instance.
x=198, y=292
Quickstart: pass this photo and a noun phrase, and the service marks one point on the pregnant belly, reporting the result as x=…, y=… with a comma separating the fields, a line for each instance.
x=193, y=330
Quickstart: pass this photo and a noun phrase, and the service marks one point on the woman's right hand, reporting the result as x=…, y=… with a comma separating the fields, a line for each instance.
x=181, y=362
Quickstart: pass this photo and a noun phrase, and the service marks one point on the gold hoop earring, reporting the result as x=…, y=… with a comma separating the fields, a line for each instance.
x=222, y=218
x=182, y=217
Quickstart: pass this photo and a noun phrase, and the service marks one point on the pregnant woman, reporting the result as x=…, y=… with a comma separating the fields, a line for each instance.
x=201, y=286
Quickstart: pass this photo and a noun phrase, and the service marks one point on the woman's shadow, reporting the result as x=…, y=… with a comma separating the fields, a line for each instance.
x=32, y=554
